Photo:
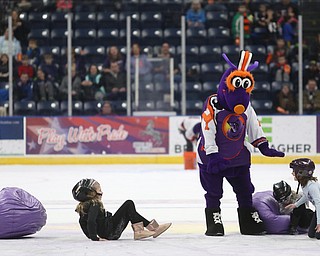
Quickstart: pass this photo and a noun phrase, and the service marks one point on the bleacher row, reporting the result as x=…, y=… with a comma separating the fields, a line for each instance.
x=96, y=27
x=196, y=93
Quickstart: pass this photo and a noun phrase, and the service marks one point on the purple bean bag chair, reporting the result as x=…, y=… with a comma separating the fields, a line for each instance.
x=21, y=214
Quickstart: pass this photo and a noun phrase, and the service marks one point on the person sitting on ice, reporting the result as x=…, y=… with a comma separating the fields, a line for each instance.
x=278, y=219
x=98, y=224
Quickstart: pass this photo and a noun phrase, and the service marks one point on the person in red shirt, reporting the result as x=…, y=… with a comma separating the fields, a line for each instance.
x=25, y=67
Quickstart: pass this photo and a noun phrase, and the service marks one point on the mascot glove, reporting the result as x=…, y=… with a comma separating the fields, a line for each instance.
x=265, y=150
x=216, y=163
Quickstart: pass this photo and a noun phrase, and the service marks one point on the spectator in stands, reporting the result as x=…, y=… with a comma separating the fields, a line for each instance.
x=196, y=16
x=265, y=21
x=285, y=101
x=113, y=55
x=25, y=67
x=312, y=71
x=43, y=87
x=247, y=21
x=33, y=52
x=78, y=58
x=75, y=88
x=282, y=7
x=90, y=84
x=106, y=109
x=161, y=68
x=50, y=68
x=311, y=98
x=288, y=23
x=281, y=70
x=20, y=28
x=280, y=49
x=145, y=66
x=23, y=90
x=4, y=68
x=4, y=45
x=113, y=84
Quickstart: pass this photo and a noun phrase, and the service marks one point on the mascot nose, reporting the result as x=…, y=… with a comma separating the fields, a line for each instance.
x=239, y=109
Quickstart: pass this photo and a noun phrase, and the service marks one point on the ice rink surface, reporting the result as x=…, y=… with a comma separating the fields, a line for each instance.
x=167, y=193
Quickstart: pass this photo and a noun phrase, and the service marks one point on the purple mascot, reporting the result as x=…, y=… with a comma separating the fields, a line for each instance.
x=222, y=152
x=21, y=214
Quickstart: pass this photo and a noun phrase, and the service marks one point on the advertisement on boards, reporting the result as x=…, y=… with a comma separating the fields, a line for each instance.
x=294, y=135
x=97, y=135
x=177, y=141
x=11, y=136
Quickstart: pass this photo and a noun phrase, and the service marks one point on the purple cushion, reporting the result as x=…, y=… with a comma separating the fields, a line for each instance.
x=21, y=214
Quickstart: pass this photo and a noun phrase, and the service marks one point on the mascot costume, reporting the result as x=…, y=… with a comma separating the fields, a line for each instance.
x=222, y=151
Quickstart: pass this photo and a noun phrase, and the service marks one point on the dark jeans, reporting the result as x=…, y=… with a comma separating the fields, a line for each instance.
x=119, y=221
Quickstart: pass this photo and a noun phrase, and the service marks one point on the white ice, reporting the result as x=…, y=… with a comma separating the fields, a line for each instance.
x=167, y=193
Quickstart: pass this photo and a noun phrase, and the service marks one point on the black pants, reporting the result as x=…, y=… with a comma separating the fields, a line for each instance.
x=119, y=221
x=301, y=217
x=312, y=232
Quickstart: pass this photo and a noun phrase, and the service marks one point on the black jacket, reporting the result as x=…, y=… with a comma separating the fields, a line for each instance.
x=94, y=222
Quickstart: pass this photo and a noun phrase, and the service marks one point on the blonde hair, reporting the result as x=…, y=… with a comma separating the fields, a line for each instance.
x=94, y=199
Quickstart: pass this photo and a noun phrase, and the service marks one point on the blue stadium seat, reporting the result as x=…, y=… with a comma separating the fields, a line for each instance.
x=151, y=20
x=150, y=6
x=107, y=20
x=95, y=54
x=120, y=107
x=194, y=107
x=77, y=108
x=193, y=90
x=24, y=108
x=174, y=5
x=146, y=105
x=135, y=36
x=259, y=52
x=152, y=36
x=211, y=71
x=48, y=108
x=232, y=51
x=210, y=53
x=91, y=108
x=262, y=91
x=84, y=36
x=41, y=35
x=108, y=36
x=59, y=20
x=195, y=36
x=172, y=36
x=192, y=53
x=39, y=20
x=262, y=107
x=219, y=36
x=261, y=73
x=135, y=19
x=216, y=19
x=209, y=87
x=59, y=37
x=84, y=20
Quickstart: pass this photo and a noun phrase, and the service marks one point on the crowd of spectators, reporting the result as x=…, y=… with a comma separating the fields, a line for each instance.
x=42, y=76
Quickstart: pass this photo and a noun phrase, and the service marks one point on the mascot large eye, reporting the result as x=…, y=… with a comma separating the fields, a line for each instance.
x=236, y=82
x=246, y=83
